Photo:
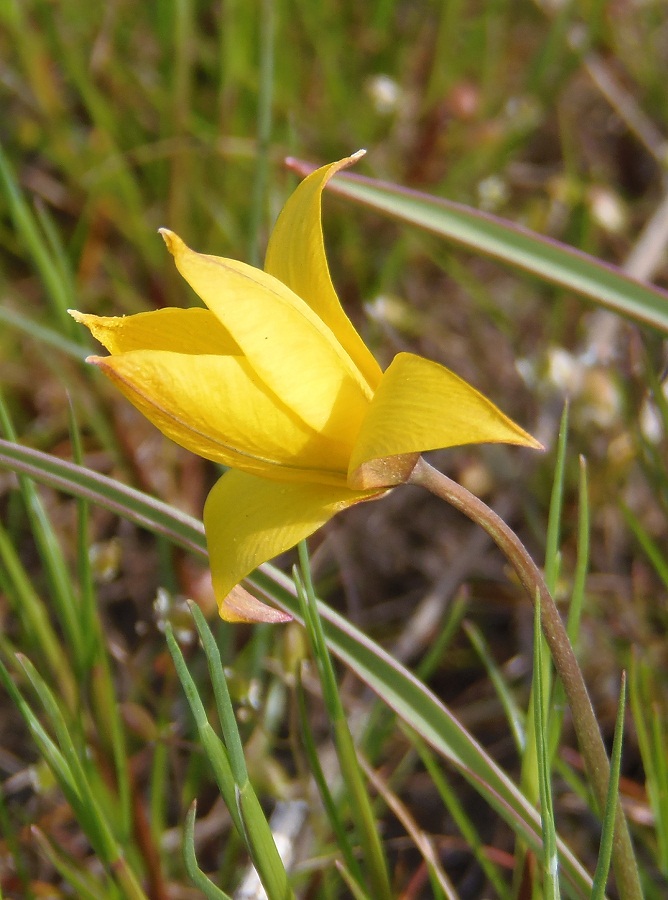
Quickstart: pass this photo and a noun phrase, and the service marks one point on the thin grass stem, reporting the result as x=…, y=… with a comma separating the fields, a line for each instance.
x=605, y=852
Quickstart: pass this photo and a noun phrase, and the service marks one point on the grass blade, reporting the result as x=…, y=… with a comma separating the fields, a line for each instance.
x=57, y=287
x=605, y=852
x=461, y=819
x=215, y=751
x=543, y=764
x=335, y=821
x=52, y=556
x=125, y=501
x=513, y=714
x=652, y=731
x=33, y=615
x=85, y=887
x=240, y=798
x=481, y=232
x=221, y=692
x=360, y=804
x=196, y=875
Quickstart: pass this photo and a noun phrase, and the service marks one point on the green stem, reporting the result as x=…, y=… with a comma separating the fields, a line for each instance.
x=584, y=719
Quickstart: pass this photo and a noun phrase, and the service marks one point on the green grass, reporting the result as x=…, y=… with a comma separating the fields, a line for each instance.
x=119, y=119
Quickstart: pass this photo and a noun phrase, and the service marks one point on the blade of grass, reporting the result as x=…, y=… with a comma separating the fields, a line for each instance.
x=51, y=554
x=241, y=800
x=57, y=288
x=224, y=708
x=46, y=746
x=552, y=554
x=107, y=175
x=335, y=821
x=69, y=773
x=543, y=763
x=434, y=655
x=460, y=817
x=442, y=888
x=160, y=789
x=649, y=546
x=357, y=892
x=15, y=848
x=42, y=333
x=500, y=239
x=360, y=805
x=213, y=747
x=90, y=806
x=86, y=888
x=607, y=834
x=87, y=610
x=127, y=502
x=514, y=716
x=104, y=707
x=530, y=766
x=33, y=615
x=652, y=731
x=582, y=564
x=59, y=258
x=198, y=878
x=262, y=846
x=576, y=604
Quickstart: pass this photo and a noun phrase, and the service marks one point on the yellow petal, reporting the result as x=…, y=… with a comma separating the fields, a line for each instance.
x=216, y=407
x=422, y=406
x=296, y=256
x=250, y=520
x=290, y=348
x=181, y=330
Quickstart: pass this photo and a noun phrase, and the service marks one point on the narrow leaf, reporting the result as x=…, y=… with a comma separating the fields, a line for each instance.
x=512, y=244
x=196, y=875
x=605, y=852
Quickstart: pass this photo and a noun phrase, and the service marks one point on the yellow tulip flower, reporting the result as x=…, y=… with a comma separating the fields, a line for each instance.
x=273, y=381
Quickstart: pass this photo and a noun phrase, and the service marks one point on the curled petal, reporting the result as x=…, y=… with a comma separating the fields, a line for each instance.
x=250, y=520
x=294, y=353
x=296, y=256
x=181, y=330
x=242, y=606
x=216, y=407
x=421, y=406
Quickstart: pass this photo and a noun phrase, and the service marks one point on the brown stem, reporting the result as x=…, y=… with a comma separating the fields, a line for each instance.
x=584, y=719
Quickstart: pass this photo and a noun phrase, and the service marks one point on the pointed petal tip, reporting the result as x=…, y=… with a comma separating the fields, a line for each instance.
x=526, y=440
x=174, y=243
x=292, y=162
x=87, y=319
x=242, y=606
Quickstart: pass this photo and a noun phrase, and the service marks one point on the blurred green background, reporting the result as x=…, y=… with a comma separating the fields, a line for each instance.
x=117, y=118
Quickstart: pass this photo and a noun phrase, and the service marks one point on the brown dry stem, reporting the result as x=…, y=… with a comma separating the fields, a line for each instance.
x=584, y=718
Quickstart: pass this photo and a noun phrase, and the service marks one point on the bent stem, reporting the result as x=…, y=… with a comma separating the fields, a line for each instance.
x=584, y=719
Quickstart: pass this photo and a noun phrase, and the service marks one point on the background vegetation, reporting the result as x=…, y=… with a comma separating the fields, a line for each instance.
x=118, y=118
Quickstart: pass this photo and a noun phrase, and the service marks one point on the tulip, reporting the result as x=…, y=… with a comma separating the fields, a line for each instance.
x=273, y=381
